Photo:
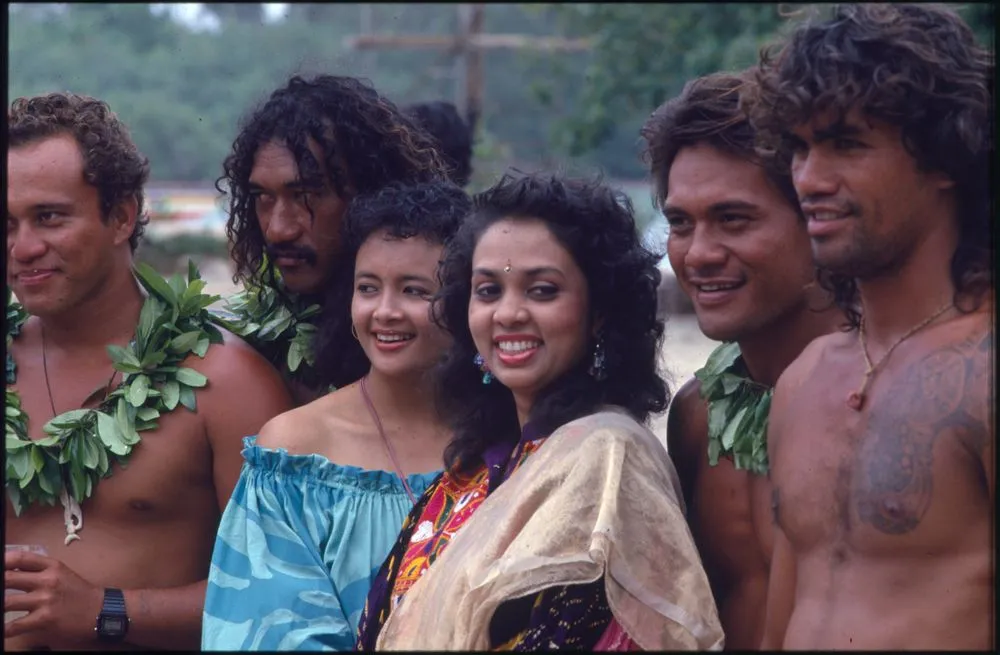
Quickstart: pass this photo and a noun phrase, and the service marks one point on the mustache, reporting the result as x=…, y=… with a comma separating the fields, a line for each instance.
x=308, y=255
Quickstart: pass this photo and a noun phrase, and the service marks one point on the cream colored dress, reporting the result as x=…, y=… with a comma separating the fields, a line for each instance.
x=599, y=499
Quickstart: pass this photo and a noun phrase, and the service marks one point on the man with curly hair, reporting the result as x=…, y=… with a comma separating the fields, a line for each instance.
x=129, y=569
x=738, y=244
x=881, y=437
x=297, y=162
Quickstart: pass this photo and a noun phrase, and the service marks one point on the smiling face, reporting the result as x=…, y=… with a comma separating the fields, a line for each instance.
x=60, y=252
x=866, y=202
x=529, y=312
x=737, y=246
x=302, y=246
x=394, y=280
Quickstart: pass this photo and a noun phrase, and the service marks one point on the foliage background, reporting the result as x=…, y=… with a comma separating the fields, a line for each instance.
x=182, y=89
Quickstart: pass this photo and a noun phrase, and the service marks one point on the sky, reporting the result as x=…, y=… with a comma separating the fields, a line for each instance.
x=190, y=13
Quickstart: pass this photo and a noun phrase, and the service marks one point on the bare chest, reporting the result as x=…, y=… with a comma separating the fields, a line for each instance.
x=901, y=473
x=168, y=474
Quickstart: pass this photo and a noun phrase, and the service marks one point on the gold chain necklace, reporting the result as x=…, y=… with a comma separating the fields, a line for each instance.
x=856, y=399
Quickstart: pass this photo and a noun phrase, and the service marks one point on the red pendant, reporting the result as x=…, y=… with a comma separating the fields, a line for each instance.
x=855, y=400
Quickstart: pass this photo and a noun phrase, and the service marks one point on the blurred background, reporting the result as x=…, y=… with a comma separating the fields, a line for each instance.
x=551, y=86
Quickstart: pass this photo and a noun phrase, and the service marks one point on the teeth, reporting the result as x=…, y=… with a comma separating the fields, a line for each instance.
x=517, y=346
x=390, y=338
x=826, y=216
x=717, y=287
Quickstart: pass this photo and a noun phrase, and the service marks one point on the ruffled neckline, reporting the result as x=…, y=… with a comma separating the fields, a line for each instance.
x=319, y=468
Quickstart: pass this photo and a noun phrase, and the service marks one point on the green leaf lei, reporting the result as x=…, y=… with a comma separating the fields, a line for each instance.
x=737, y=410
x=279, y=326
x=81, y=445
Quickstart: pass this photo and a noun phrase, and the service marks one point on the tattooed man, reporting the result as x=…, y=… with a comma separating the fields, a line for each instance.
x=881, y=438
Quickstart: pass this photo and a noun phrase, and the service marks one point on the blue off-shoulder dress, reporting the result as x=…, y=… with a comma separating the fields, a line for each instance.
x=297, y=549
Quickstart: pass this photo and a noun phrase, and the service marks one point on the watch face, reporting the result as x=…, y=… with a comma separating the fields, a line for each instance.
x=113, y=625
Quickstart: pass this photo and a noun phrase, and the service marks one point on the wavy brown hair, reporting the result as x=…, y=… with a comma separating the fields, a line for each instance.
x=707, y=111
x=366, y=144
x=111, y=161
x=915, y=66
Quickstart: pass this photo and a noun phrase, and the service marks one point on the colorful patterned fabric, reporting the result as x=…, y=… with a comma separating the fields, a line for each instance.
x=599, y=501
x=573, y=617
x=297, y=548
x=454, y=500
x=442, y=509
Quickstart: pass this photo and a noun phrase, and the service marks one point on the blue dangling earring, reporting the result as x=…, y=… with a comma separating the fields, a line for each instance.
x=481, y=363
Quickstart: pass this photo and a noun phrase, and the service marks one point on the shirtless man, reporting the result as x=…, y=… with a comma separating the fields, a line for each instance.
x=74, y=215
x=881, y=438
x=299, y=159
x=734, y=221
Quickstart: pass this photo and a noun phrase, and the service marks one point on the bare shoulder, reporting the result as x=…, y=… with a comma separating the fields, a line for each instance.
x=687, y=420
x=805, y=365
x=234, y=359
x=244, y=391
x=312, y=428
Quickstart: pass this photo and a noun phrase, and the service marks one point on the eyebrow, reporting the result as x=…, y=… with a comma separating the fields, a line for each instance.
x=716, y=208
x=531, y=272
x=51, y=206
x=293, y=185
x=838, y=129
x=405, y=278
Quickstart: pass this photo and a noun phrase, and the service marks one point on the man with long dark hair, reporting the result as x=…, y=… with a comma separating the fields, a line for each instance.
x=296, y=164
x=881, y=438
x=738, y=244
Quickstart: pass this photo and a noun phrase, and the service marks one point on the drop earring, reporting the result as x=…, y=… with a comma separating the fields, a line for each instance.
x=481, y=363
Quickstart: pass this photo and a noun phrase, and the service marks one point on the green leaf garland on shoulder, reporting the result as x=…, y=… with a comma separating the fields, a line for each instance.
x=280, y=326
x=737, y=410
x=81, y=445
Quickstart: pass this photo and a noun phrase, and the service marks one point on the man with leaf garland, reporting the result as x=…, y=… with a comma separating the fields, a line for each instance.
x=298, y=160
x=125, y=406
x=740, y=250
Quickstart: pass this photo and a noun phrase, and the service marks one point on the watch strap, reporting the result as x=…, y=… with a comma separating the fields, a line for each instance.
x=114, y=602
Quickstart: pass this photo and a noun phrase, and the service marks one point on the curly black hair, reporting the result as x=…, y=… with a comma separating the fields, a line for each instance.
x=596, y=225
x=431, y=210
x=915, y=66
x=365, y=140
x=111, y=161
x=441, y=120
x=708, y=111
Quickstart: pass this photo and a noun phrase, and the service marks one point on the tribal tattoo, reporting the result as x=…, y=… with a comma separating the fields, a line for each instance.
x=946, y=394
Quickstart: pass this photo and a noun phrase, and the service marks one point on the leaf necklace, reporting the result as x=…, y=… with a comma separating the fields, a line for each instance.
x=80, y=445
x=737, y=410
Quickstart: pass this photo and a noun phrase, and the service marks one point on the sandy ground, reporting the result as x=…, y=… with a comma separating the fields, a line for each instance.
x=685, y=348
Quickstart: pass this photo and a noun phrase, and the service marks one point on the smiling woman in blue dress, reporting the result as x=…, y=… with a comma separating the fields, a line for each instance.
x=325, y=487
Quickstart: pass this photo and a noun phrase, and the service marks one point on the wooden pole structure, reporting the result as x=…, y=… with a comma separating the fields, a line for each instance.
x=467, y=47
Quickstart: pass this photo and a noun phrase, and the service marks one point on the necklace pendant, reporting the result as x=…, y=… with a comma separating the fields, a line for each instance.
x=855, y=400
